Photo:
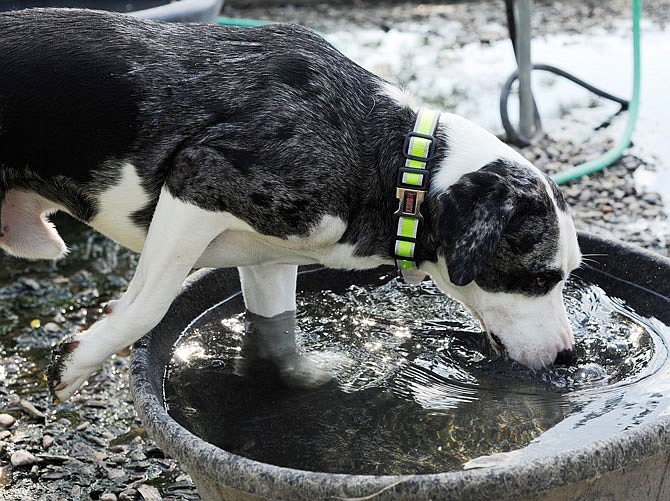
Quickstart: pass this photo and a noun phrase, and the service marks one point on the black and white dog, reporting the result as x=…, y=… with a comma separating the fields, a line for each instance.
x=263, y=148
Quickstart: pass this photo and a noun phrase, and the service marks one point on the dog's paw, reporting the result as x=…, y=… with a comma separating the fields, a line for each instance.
x=301, y=372
x=65, y=375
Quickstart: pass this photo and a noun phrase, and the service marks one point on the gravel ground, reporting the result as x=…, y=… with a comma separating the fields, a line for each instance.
x=93, y=447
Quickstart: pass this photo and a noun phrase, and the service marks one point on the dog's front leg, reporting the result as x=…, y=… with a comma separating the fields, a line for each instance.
x=269, y=296
x=178, y=234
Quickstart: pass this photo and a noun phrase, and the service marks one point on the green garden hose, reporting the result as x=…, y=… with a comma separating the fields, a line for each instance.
x=236, y=21
x=624, y=142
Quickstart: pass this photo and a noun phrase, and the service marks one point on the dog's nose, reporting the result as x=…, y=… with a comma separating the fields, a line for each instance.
x=566, y=357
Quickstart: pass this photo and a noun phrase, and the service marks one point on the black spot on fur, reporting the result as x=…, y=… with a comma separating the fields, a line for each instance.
x=286, y=132
x=293, y=70
x=260, y=198
x=142, y=217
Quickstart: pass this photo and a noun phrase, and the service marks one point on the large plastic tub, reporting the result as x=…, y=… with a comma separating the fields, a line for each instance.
x=634, y=464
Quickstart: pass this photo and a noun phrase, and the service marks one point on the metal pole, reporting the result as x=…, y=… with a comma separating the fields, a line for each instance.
x=523, y=37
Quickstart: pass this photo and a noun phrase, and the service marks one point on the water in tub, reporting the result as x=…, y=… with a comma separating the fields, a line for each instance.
x=418, y=392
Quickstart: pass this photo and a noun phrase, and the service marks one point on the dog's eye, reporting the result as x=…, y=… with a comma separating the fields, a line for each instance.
x=541, y=282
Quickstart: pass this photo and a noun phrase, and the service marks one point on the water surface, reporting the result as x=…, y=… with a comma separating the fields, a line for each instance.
x=415, y=387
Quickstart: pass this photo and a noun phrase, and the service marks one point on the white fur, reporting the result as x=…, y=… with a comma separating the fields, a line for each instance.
x=115, y=207
x=269, y=289
x=241, y=245
x=401, y=96
x=470, y=148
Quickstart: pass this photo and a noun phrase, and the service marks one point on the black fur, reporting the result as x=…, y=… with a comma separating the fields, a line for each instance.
x=500, y=229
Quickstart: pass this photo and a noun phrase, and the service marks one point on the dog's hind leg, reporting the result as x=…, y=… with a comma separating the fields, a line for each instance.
x=178, y=234
x=24, y=229
x=269, y=296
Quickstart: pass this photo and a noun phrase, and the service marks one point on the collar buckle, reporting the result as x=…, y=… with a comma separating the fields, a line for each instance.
x=409, y=202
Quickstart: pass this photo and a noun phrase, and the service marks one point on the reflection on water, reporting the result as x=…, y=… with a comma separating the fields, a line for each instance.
x=415, y=389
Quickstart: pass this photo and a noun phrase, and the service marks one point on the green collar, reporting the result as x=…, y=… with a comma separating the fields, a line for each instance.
x=411, y=189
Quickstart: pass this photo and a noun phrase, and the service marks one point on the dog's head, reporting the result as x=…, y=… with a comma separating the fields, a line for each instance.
x=507, y=245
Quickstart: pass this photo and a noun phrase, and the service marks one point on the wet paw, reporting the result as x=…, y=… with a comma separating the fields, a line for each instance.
x=301, y=372
x=64, y=375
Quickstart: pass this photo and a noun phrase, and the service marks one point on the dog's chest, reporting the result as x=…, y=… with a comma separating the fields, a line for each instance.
x=116, y=206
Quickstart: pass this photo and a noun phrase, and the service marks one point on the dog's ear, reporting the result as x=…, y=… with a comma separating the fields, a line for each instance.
x=473, y=215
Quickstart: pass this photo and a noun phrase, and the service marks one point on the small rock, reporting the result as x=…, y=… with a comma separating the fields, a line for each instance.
x=55, y=475
x=83, y=426
x=22, y=458
x=100, y=404
x=59, y=318
x=117, y=458
x=4, y=434
x=149, y=493
x=31, y=283
x=47, y=441
x=6, y=420
x=108, y=496
x=31, y=410
x=651, y=213
x=75, y=491
x=34, y=472
x=51, y=327
x=585, y=195
x=128, y=495
x=13, y=400
x=116, y=474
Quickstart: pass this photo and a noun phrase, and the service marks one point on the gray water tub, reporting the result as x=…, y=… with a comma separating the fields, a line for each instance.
x=204, y=11
x=631, y=465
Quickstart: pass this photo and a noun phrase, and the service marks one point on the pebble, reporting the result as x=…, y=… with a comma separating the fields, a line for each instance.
x=31, y=410
x=55, y=475
x=108, y=496
x=128, y=495
x=6, y=420
x=22, y=458
x=4, y=434
x=51, y=327
x=83, y=426
x=149, y=493
x=47, y=441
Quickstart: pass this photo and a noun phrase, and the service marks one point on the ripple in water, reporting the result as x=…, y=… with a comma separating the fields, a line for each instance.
x=415, y=387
